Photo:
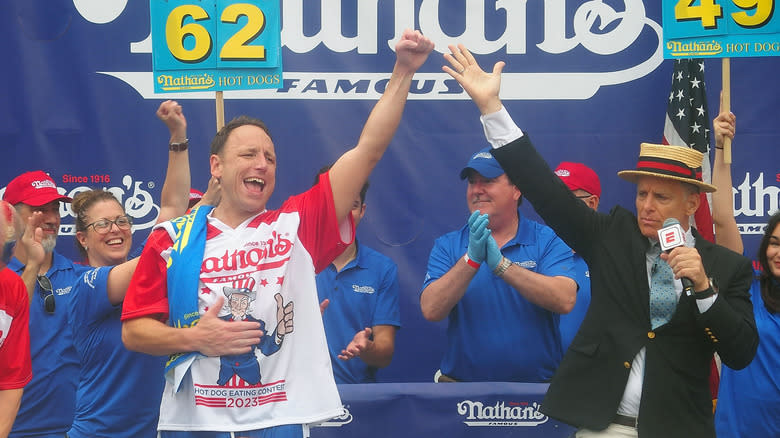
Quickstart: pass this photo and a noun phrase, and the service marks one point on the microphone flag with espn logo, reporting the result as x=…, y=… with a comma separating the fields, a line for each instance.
x=671, y=235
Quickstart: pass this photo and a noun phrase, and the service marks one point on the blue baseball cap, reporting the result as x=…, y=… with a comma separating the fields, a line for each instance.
x=484, y=163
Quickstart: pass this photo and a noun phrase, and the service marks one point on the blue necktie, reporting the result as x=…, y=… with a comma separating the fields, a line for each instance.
x=663, y=299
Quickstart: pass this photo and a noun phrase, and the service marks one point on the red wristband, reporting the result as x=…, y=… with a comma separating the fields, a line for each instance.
x=471, y=263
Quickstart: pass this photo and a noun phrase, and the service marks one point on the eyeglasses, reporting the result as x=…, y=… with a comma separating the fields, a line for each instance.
x=103, y=226
x=48, y=296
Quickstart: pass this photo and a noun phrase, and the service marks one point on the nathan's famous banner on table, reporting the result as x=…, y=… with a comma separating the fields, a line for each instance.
x=215, y=45
x=720, y=28
x=465, y=410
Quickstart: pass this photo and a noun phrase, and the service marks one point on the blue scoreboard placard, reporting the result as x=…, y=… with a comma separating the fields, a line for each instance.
x=215, y=45
x=720, y=28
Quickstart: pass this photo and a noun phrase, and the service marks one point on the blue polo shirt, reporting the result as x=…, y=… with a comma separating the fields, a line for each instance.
x=49, y=399
x=364, y=294
x=571, y=321
x=749, y=399
x=494, y=334
x=119, y=391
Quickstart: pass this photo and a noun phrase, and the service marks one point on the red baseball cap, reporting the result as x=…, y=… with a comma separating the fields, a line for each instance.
x=195, y=197
x=579, y=176
x=34, y=188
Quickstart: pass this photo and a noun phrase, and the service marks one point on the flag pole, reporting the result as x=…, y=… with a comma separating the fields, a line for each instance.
x=726, y=90
x=220, y=110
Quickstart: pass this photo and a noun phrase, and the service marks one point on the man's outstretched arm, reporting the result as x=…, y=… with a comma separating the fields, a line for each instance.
x=351, y=170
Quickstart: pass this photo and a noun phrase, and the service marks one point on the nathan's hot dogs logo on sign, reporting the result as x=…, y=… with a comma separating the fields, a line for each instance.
x=202, y=45
x=720, y=28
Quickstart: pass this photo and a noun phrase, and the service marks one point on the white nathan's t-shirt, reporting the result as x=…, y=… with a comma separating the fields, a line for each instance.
x=270, y=257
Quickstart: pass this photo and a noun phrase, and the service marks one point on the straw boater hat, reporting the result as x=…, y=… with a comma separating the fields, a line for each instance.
x=674, y=162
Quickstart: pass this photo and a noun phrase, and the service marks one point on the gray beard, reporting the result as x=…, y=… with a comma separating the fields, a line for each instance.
x=49, y=243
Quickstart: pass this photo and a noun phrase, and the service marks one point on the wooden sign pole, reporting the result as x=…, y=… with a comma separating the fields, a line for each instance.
x=220, y=110
x=726, y=105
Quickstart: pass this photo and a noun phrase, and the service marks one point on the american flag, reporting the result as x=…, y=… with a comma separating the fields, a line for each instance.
x=687, y=124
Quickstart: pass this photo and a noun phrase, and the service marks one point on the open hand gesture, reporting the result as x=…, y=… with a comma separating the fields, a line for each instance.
x=483, y=87
x=358, y=345
x=222, y=338
x=32, y=240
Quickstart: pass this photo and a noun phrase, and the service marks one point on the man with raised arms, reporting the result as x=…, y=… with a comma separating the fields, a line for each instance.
x=176, y=297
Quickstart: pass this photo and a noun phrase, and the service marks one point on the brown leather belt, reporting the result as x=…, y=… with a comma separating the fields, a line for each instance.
x=625, y=420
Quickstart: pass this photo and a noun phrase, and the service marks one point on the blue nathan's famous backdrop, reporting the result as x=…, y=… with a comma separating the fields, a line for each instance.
x=585, y=79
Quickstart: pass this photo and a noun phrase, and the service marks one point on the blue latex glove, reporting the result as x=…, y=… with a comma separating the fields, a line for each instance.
x=493, y=253
x=478, y=233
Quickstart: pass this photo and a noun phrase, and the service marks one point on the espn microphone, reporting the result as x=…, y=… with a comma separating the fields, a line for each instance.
x=670, y=237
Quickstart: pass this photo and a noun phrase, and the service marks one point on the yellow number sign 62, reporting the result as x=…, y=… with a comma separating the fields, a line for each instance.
x=237, y=47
